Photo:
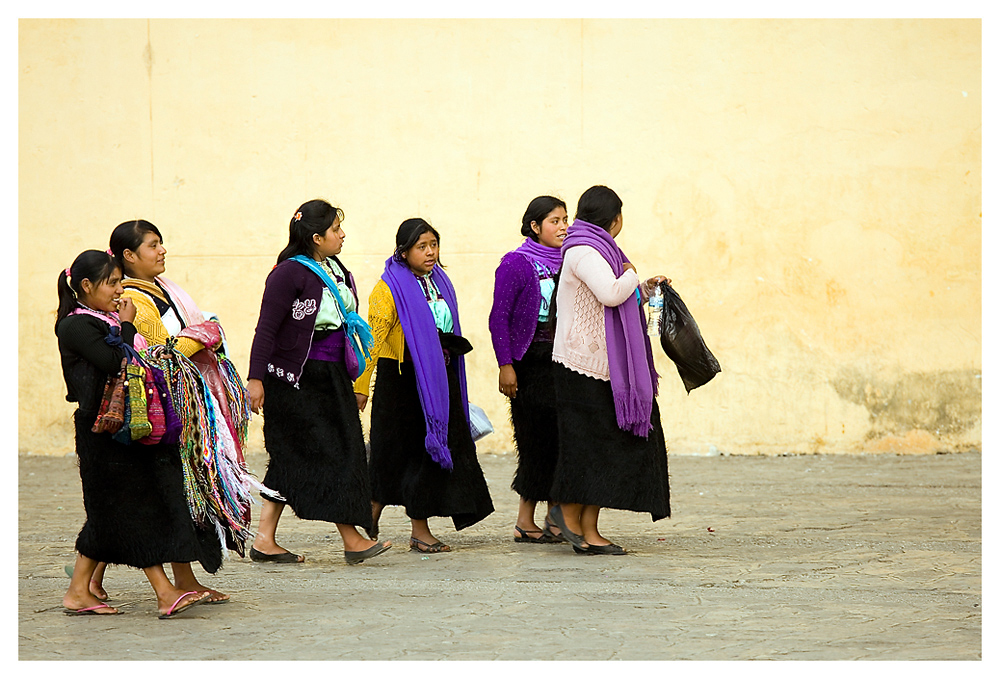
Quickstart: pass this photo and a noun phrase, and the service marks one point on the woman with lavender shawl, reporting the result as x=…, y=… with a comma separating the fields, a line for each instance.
x=611, y=447
x=422, y=453
x=522, y=327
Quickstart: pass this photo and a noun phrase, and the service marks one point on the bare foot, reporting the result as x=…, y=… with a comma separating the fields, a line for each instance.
x=214, y=596
x=358, y=544
x=98, y=590
x=596, y=539
x=192, y=585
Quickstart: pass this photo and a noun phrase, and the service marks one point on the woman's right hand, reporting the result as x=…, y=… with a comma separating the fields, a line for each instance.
x=256, y=390
x=362, y=400
x=508, y=381
x=126, y=309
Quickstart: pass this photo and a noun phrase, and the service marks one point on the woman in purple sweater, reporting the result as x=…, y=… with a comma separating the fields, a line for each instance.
x=299, y=377
x=522, y=331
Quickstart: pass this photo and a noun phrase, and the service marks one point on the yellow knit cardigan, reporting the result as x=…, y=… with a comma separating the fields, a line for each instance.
x=147, y=317
x=387, y=331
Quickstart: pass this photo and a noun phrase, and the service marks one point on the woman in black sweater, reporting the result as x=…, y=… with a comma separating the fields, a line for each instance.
x=133, y=494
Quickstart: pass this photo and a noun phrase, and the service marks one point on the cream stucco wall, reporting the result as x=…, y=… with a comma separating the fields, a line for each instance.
x=812, y=187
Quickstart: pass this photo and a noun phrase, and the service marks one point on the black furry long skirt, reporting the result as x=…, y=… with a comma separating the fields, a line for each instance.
x=533, y=416
x=599, y=464
x=316, y=447
x=402, y=472
x=137, y=514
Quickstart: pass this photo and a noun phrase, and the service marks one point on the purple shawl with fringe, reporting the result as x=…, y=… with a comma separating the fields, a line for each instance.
x=630, y=355
x=422, y=340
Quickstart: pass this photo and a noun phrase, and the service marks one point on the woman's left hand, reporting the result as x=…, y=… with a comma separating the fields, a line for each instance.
x=651, y=283
x=255, y=389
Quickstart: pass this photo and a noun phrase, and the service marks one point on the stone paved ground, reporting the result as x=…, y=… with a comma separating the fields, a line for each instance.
x=805, y=558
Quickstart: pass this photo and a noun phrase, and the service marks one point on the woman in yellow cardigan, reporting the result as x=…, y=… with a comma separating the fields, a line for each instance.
x=163, y=310
x=422, y=453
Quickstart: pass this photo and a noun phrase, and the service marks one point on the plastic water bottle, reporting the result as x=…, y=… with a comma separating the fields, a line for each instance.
x=655, y=309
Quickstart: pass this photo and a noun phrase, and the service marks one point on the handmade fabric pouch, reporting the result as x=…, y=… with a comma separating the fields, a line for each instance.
x=111, y=414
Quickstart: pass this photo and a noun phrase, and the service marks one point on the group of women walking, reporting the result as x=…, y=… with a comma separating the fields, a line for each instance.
x=574, y=359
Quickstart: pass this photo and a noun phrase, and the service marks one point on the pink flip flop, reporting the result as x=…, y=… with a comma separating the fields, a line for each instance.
x=90, y=611
x=174, y=611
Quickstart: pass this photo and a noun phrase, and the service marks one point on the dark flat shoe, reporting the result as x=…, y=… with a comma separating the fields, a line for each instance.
x=374, y=550
x=522, y=536
x=612, y=549
x=574, y=539
x=284, y=557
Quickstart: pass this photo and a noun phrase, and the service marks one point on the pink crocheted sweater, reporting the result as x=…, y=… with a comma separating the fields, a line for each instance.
x=587, y=285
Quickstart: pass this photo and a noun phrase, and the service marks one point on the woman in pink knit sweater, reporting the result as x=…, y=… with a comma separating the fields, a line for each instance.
x=611, y=446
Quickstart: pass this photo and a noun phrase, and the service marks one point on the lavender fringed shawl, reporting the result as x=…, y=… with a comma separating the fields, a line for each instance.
x=425, y=347
x=630, y=355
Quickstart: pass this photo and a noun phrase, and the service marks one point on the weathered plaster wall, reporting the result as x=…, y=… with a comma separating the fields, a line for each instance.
x=812, y=187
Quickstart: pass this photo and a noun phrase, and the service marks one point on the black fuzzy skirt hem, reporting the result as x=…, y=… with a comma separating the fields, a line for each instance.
x=316, y=447
x=137, y=514
x=402, y=472
x=599, y=464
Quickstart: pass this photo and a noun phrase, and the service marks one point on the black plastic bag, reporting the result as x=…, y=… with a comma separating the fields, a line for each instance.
x=682, y=342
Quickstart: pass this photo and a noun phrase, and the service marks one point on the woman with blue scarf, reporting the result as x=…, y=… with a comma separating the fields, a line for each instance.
x=301, y=364
x=422, y=453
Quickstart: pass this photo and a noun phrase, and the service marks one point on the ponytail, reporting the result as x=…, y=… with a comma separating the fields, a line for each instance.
x=313, y=217
x=93, y=265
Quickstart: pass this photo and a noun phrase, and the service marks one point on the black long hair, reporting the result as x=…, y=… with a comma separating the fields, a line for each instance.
x=599, y=205
x=538, y=210
x=313, y=217
x=94, y=265
x=409, y=233
x=129, y=236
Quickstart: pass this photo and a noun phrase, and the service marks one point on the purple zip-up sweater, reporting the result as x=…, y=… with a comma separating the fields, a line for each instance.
x=514, y=316
x=281, y=342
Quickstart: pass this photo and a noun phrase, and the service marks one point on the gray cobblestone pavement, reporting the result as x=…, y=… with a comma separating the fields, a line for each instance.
x=805, y=557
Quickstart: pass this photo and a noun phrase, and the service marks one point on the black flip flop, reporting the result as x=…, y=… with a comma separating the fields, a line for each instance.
x=376, y=549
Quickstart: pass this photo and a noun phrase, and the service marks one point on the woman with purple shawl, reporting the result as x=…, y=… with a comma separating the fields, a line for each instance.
x=522, y=327
x=422, y=453
x=611, y=447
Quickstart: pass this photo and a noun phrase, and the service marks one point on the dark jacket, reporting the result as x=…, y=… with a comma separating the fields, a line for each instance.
x=283, y=337
x=87, y=359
